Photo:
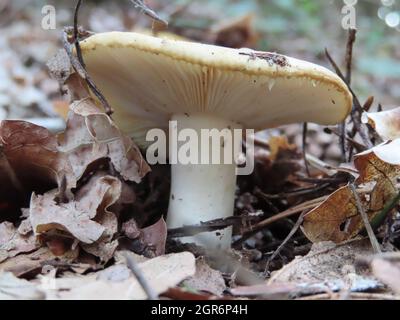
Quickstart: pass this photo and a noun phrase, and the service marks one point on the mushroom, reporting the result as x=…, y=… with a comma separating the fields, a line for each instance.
x=150, y=81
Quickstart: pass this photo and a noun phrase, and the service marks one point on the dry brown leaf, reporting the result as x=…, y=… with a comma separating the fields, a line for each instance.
x=381, y=162
x=86, y=218
x=46, y=215
x=332, y=220
x=104, y=250
x=337, y=219
x=206, y=279
x=98, y=195
x=385, y=123
x=60, y=67
x=91, y=135
x=13, y=243
x=30, y=160
x=24, y=264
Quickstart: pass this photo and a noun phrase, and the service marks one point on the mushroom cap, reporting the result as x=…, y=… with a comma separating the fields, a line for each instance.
x=147, y=79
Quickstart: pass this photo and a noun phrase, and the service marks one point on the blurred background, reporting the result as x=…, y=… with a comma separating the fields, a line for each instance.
x=300, y=28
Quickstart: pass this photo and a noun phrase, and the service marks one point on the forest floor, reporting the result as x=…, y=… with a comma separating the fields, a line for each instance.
x=318, y=219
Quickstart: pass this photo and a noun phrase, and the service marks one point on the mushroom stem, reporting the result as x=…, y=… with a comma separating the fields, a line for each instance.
x=202, y=192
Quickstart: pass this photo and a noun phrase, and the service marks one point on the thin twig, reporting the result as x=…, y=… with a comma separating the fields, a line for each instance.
x=76, y=34
x=352, y=143
x=349, y=54
x=132, y=265
x=247, y=233
x=214, y=225
x=77, y=61
x=357, y=111
x=148, y=12
x=304, y=146
x=364, y=216
x=298, y=192
x=284, y=242
x=349, y=62
x=368, y=103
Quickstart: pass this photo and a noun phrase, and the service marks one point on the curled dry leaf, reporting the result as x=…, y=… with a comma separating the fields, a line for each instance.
x=91, y=135
x=13, y=243
x=46, y=215
x=30, y=160
x=86, y=218
x=60, y=67
x=332, y=220
x=385, y=123
x=32, y=263
x=337, y=219
x=98, y=195
x=102, y=249
x=381, y=162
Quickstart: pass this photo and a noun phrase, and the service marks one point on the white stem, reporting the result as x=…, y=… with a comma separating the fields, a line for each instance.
x=203, y=192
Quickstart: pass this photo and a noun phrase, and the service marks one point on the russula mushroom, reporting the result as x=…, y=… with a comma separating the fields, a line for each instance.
x=150, y=81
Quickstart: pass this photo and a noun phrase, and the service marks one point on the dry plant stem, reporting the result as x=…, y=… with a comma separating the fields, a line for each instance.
x=353, y=144
x=258, y=192
x=326, y=168
x=132, y=265
x=349, y=58
x=361, y=211
x=368, y=104
x=260, y=142
x=208, y=226
x=148, y=12
x=362, y=129
x=79, y=65
x=284, y=242
x=349, y=54
x=305, y=130
x=285, y=214
x=302, y=191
